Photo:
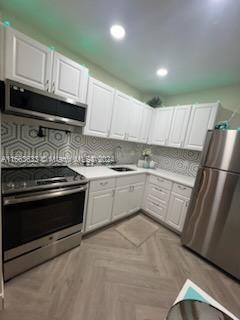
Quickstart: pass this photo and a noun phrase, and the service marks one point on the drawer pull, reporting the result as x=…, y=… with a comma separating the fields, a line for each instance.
x=160, y=180
x=160, y=190
x=156, y=204
x=181, y=187
x=104, y=183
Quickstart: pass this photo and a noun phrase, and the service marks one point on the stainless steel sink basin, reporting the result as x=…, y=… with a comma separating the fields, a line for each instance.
x=122, y=169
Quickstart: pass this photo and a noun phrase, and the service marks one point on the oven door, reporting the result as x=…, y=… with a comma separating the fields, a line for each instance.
x=31, y=216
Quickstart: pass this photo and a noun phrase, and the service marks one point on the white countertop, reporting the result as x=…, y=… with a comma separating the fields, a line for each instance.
x=93, y=173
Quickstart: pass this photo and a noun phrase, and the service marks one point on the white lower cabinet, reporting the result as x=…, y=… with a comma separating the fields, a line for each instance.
x=99, y=211
x=167, y=201
x=177, y=211
x=127, y=200
x=113, y=198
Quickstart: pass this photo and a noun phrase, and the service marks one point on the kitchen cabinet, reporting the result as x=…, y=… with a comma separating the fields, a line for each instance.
x=34, y=64
x=69, y=79
x=177, y=211
x=179, y=126
x=167, y=201
x=202, y=119
x=100, y=105
x=27, y=60
x=1, y=52
x=99, y=211
x=127, y=200
x=120, y=116
x=146, y=117
x=161, y=125
x=134, y=120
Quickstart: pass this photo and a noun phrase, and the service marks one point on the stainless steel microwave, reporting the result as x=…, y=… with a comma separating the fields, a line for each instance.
x=23, y=100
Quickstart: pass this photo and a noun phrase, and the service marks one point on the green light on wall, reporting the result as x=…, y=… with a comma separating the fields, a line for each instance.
x=6, y=24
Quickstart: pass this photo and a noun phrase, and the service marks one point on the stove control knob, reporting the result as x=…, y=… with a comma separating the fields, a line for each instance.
x=11, y=185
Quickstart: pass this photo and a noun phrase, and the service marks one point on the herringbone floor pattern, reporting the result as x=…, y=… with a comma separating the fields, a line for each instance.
x=108, y=278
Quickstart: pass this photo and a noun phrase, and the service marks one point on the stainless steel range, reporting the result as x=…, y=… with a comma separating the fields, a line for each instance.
x=43, y=210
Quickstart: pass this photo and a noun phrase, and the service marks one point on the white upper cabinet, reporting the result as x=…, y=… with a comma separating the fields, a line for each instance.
x=161, y=125
x=70, y=79
x=1, y=52
x=203, y=117
x=145, y=123
x=134, y=120
x=179, y=126
x=99, y=113
x=27, y=60
x=120, y=116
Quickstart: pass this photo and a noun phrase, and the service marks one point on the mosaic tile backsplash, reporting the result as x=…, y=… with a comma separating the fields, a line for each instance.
x=22, y=147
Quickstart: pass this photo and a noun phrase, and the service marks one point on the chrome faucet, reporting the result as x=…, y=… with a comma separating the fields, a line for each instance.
x=117, y=150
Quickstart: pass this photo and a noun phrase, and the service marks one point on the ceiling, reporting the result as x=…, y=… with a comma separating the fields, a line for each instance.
x=197, y=40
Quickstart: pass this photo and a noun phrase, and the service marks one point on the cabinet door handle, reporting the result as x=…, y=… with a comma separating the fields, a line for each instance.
x=47, y=85
x=53, y=87
x=187, y=203
x=103, y=183
x=113, y=193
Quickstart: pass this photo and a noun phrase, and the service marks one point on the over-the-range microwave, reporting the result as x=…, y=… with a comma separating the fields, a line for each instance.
x=23, y=100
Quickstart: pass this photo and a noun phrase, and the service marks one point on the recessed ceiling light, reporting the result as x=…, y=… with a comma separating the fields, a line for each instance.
x=162, y=72
x=118, y=32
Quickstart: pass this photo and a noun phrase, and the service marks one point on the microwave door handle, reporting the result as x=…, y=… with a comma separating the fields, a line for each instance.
x=30, y=197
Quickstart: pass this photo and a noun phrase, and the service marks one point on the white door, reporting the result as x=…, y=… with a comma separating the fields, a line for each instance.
x=70, y=79
x=99, y=211
x=162, y=120
x=27, y=60
x=120, y=116
x=179, y=126
x=202, y=119
x=122, y=202
x=177, y=211
x=99, y=112
x=145, y=123
x=136, y=197
x=134, y=120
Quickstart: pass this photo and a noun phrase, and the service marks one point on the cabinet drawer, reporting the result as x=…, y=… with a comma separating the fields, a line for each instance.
x=155, y=207
x=182, y=190
x=161, y=182
x=158, y=192
x=99, y=185
x=130, y=180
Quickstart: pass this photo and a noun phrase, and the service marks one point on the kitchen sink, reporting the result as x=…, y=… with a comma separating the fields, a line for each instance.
x=122, y=169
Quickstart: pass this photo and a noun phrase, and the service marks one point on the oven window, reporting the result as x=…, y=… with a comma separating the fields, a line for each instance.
x=24, y=222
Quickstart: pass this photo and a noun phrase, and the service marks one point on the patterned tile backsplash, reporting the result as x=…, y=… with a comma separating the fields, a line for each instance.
x=22, y=147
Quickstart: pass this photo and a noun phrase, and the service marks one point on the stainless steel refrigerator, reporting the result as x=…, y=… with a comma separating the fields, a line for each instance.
x=212, y=226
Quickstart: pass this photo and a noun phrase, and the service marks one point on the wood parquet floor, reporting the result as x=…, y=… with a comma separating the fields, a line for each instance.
x=108, y=278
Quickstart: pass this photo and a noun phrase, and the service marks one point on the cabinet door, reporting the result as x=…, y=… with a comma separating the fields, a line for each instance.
x=99, y=209
x=99, y=112
x=161, y=126
x=120, y=116
x=134, y=120
x=136, y=195
x=122, y=202
x=177, y=211
x=202, y=119
x=179, y=126
x=145, y=123
x=1, y=52
x=70, y=79
x=27, y=60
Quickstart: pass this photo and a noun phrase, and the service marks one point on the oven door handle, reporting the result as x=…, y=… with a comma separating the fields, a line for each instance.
x=30, y=197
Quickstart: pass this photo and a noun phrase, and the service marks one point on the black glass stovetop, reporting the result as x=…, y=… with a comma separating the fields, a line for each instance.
x=22, y=179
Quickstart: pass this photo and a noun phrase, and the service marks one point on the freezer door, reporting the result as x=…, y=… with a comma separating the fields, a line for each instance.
x=222, y=150
x=212, y=226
